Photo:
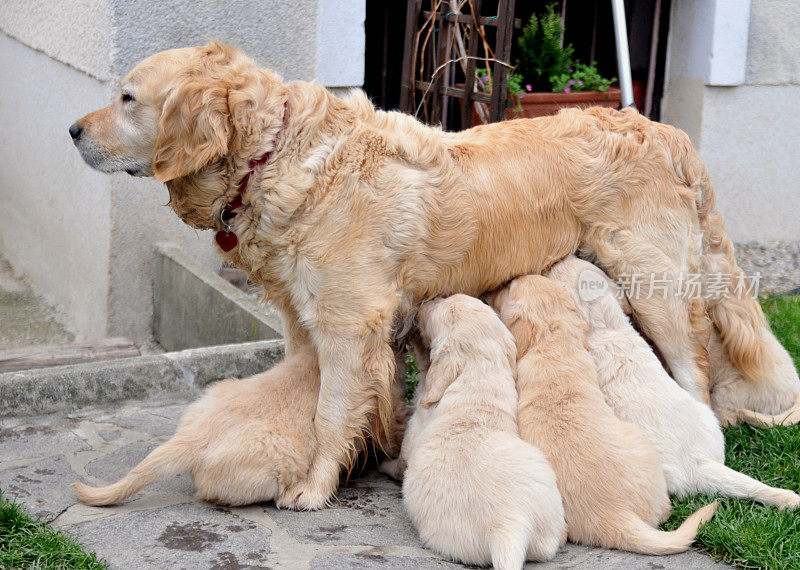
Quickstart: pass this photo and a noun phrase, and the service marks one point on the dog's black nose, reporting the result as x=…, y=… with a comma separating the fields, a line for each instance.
x=75, y=131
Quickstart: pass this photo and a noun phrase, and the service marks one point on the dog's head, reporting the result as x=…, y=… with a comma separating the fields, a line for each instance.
x=455, y=329
x=180, y=110
x=532, y=306
x=596, y=295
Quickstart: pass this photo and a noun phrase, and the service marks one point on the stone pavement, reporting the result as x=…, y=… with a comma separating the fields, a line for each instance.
x=165, y=527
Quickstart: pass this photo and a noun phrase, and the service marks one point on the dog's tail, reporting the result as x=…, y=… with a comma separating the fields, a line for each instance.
x=788, y=418
x=162, y=461
x=508, y=547
x=716, y=477
x=645, y=539
x=730, y=300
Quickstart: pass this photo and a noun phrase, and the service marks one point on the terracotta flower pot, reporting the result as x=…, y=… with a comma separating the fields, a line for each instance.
x=542, y=103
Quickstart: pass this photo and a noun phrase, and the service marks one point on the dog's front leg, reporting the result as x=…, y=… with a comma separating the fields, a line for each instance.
x=355, y=401
x=295, y=335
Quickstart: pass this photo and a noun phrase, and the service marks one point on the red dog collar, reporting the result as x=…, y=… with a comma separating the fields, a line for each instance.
x=226, y=239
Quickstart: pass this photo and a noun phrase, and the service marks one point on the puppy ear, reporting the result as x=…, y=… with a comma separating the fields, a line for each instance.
x=440, y=374
x=524, y=334
x=194, y=128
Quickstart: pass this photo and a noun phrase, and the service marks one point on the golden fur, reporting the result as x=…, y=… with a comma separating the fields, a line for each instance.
x=359, y=215
x=474, y=490
x=244, y=441
x=736, y=398
x=607, y=470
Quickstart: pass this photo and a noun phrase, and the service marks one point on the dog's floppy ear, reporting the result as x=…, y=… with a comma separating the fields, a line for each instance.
x=525, y=334
x=440, y=374
x=194, y=128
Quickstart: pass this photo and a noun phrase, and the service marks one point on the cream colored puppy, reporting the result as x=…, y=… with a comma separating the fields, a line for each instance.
x=685, y=431
x=608, y=471
x=244, y=441
x=474, y=490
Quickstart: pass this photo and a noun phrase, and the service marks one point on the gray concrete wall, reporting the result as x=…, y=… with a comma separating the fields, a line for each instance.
x=748, y=130
x=56, y=212
x=218, y=312
x=84, y=239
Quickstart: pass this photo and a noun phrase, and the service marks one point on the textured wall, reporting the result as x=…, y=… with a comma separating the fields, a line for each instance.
x=340, y=42
x=773, y=55
x=76, y=32
x=280, y=34
x=751, y=145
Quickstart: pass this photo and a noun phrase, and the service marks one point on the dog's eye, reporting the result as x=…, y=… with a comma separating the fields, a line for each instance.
x=127, y=98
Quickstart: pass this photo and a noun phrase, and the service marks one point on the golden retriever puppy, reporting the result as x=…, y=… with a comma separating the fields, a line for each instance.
x=244, y=441
x=685, y=432
x=475, y=491
x=350, y=217
x=736, y=398
x=608, y=471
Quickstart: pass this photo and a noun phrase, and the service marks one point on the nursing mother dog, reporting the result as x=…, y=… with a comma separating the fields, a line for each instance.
x=350, y=217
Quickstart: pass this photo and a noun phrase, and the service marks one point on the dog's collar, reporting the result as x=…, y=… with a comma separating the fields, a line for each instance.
x=225, y=237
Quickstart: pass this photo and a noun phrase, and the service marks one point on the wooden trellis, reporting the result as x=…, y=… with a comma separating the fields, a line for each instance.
x=433, y=89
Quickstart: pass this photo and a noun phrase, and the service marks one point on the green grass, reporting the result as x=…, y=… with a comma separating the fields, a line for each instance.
x=742, y=532
x=29, y=543
x=784, y=318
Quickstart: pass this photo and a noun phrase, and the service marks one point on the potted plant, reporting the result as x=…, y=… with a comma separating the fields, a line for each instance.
x=547, y=77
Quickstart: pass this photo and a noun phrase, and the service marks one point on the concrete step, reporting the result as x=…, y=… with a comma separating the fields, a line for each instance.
x=172, y=376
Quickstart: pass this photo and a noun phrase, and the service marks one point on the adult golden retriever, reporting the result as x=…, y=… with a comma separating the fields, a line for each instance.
x=350, y=217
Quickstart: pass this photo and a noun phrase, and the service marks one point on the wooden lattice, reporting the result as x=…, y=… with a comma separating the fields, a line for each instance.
x=432, y=34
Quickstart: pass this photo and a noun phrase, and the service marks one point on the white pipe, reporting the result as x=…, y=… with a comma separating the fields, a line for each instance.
x=623, y=56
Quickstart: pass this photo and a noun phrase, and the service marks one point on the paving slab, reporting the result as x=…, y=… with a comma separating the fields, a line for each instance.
x=165, y=526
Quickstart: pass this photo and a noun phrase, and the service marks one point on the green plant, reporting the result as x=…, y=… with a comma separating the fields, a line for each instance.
x=514, y=84
x=582, y=77
x=544, y=65
x=542, y=55
x=485, y=82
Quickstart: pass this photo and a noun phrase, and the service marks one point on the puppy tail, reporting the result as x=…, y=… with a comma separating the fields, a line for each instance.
x=508, y=546
x=788, y=418
x=645, y=539
x=715, y=477
x=162, y=461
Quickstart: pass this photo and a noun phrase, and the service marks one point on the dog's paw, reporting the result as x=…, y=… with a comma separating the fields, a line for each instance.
x=303, y=497
x=394, y=468
x=791, y=500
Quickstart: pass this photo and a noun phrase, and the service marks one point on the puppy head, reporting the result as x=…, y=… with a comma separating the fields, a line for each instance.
x=596, y=295
x=456, y=329
x=178, y=111
x=532, y=306
x=587, y=281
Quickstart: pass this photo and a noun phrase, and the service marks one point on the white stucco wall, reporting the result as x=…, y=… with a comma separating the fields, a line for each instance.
x=85, y=239
x=738, y=103
x=56, y=212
